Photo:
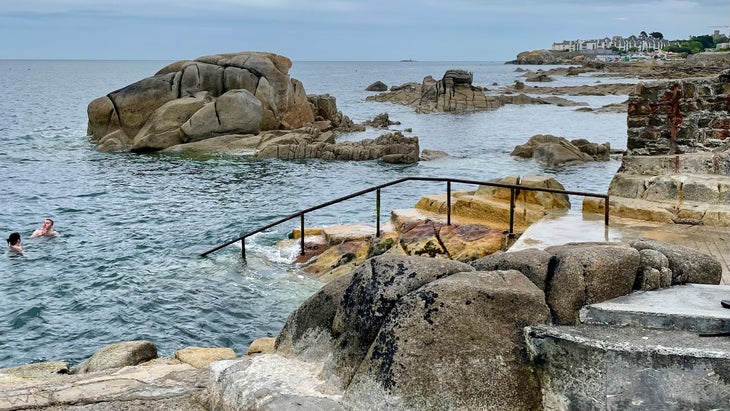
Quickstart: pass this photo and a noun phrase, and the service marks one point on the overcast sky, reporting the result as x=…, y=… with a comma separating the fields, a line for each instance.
x=441, y=30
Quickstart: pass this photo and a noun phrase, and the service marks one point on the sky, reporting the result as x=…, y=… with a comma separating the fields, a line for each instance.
x=335, y=30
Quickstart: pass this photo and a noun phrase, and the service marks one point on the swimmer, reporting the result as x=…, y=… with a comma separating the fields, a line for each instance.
x=14, y=243
x=45, y=231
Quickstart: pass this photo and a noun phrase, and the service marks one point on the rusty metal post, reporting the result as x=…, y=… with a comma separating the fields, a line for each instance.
x=243, y=250
x=511, y=210
x=301, y=238
x=605, y=212
x=448, y=202
x=377, y=213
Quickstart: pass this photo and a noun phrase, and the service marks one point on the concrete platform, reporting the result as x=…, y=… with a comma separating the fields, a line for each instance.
x=575, y=226
x=690, y=307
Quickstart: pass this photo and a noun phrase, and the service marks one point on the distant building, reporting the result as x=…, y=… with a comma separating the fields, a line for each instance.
x=641, y=44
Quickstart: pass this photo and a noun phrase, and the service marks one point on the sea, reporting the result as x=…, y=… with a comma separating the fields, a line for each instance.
x=127, y=265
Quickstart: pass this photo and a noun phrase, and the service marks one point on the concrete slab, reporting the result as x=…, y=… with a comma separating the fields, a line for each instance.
x=690, y=307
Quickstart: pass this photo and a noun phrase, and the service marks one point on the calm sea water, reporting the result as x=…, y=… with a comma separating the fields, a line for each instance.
x=126, y=266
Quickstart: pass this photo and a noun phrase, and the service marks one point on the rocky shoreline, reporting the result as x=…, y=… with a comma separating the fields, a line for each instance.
x=358, y=353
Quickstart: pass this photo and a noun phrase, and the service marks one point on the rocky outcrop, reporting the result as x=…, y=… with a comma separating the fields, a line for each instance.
x=382, y=120
x=490, y=205
x=453, y=93
x=220, y=96
x=417, y=333
x=536, y=57
x=479, y=226
x=390, y=148
x=558, y=151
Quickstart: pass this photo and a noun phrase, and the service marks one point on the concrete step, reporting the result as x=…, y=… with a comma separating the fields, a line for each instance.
x=689, y=307
x=604, y=367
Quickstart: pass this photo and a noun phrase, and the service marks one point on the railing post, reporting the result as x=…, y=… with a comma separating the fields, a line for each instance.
x=511, y=210
x=243, y=250
x=605, y=212
x=448, y=202
x=377, y=213
x=301, y=238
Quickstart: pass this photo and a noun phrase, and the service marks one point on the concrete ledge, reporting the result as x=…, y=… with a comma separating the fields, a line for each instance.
x=593, y=367
x=690, y=307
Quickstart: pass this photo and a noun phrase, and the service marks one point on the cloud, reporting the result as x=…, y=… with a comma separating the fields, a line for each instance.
x=335, y=29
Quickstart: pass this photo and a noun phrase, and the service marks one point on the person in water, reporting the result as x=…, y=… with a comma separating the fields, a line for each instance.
x=14, y=243
x=45, y=231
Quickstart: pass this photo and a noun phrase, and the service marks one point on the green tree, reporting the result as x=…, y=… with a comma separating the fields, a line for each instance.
x=656, y=35
x=643, y=35
x=706, y=40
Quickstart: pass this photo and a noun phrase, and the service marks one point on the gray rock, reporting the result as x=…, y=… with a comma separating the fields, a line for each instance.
x=359, y=311
x=687, y=265
x=198, y=77
x=556, y=151
x=533, y=263
x=654, y=272
x=236, y=111
x=457, y=343
x=118, y=355
x=377, y=86
x=282, y=101
x=162, y=130
x=37, y=370
x=587, y=273
x=429, y=155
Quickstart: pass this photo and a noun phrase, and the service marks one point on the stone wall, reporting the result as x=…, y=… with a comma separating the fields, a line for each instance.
x=680, y=116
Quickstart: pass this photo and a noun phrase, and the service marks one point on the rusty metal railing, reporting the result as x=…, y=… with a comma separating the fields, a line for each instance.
x=512, y=187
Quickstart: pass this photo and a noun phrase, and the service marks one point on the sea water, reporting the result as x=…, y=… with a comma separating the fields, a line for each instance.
x=126, y=265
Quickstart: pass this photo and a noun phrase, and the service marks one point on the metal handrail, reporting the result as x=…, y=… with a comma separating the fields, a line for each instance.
x=512, y=187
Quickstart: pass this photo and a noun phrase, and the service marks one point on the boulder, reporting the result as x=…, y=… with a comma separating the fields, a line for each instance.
x=263, y=345
x=162, y=130
x=686, y=265
x=201, y=357
x=456, y=343
x=236, y=111
x=654, y=271
x=558, y=151
x=587, y=273
x=377, y=86
x=429, y=155
x=118, y=355
x=533, y=263
x=129, y=108
x=340, y=322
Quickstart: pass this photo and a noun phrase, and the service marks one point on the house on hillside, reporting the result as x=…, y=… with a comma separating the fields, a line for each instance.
x=632, y=43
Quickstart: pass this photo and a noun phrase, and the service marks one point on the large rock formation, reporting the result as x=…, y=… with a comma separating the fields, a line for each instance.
x=256, y=90
x=453, y=93
x=557, y=151
x=678, y=163
x=417, y=333
x=242, y=103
